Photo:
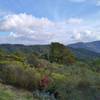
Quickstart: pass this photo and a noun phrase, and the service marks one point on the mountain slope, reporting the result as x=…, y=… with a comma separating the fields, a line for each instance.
x=84, y=54
x=9, y=48
x=11, y=93
x=89, y=50
x=92, y=46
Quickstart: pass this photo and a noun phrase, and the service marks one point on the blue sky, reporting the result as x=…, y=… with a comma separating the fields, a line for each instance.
x=45, y=21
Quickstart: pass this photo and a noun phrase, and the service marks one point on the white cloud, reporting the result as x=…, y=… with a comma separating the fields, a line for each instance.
x=23, y=21
x=27, y=29
x=27, y=26
x=74, y=21
x=86, y=35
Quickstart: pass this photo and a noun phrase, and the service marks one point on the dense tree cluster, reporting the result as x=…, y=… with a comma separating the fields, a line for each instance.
x=60, y=54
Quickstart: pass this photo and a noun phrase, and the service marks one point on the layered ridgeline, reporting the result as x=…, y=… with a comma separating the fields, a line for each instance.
x=91, y=46
x=82, y=51
x=50, y=72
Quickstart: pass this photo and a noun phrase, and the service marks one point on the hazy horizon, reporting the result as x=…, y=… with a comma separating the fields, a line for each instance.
x=44, y=44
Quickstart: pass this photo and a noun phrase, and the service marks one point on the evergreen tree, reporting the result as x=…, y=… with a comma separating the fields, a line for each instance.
x=60, y=54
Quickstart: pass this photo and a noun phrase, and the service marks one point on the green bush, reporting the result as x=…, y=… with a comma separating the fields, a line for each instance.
x=16, y=74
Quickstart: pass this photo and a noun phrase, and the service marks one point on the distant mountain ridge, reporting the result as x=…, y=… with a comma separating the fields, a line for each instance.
x=91, y=46
x=90, y=50
x=84, y=54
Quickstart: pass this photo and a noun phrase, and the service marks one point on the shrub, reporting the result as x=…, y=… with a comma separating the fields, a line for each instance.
x=17, y=75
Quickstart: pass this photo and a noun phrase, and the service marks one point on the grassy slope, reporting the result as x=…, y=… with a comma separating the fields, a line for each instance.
x=11, y=93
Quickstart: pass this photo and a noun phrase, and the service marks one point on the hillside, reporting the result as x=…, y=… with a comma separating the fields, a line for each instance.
x=8, y=92
x=91, y=46
x=81, y=50
x=84, y=54
x=61, y=77
x=9, y=48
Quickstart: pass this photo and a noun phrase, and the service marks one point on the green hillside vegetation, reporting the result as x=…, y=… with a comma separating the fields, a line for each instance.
x=84, y=54
x=56, y=75
x=10, y=93
x=43, y=50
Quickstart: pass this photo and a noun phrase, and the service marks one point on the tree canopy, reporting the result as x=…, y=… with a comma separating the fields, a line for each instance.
x=60, y=54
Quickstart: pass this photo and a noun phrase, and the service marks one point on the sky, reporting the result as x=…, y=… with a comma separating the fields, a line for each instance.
x=46, y=21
